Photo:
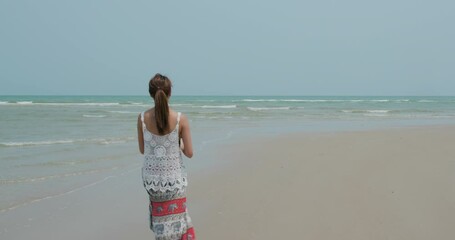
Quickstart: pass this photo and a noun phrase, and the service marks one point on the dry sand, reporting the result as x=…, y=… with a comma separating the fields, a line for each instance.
x=383, y=184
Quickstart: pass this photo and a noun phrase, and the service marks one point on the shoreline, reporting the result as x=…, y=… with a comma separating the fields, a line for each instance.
x=324, y=185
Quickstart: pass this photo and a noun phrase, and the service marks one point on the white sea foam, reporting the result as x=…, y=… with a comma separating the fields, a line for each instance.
x=321, y=100
x=259, y=100
x=442, y=116
x=204, y=100
x=218, y=106
x=112, y=140
x=365, y=111
x=102, y=104
x=378, y=111
x=375, y=115
x=93, y=116
x=180, y=104
x=278, y=100
x=50, y=142
x=267, y=108
x=217, y=117
x=292, y=100
x=123, y=112
x=67, y=141
x=2, y=102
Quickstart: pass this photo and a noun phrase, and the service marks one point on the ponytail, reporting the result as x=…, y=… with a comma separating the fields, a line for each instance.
x=161, y=111
x=160, y=90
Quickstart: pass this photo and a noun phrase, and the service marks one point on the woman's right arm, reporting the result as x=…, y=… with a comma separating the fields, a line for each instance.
x=186, y=137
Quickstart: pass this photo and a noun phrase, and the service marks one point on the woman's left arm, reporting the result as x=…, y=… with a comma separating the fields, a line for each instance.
x=140, y=134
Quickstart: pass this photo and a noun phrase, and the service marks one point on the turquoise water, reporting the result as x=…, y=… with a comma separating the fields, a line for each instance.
x=50, y=145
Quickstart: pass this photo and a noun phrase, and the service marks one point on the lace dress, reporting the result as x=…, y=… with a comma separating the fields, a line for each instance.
x=164, y=178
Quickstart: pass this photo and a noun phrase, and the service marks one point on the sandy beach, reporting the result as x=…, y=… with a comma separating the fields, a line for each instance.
x=376, y=184
x=308, y=120
x=383, y=184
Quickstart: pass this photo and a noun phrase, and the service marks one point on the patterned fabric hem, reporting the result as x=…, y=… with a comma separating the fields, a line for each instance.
x=169, y=219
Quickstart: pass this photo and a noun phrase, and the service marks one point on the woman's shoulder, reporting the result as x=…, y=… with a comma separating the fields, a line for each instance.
x=183, y=116
x=148, y=111
x=183, y=119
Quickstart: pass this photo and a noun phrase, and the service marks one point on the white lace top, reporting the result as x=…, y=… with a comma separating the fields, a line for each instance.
x=163, y=167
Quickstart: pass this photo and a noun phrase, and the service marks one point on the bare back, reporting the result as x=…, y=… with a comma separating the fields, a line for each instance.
x=184, y=133
x=150, y=122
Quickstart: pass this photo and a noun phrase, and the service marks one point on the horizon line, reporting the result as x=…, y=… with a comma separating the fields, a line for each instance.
x=212, y=95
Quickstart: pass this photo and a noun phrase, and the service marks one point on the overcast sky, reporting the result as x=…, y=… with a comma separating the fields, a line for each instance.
x=247, y=47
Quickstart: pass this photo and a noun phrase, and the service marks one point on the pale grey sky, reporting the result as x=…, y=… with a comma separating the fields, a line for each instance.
x=247, y=47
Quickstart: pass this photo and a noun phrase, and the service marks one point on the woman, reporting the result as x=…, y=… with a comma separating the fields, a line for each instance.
x=163, y=135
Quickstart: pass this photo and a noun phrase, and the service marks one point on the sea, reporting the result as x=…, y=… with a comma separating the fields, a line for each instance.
x=54, y=145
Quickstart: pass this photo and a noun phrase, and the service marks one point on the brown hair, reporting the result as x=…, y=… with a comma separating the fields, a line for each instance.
x=160, y=90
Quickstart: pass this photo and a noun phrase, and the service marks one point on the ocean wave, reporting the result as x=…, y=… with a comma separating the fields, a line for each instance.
x=443, y=116
x=370, y=113
x=103, y=141
x=124, y=112
x=366, y=111
x=426, y=101
x=102, y=104
x=180, y=104
x=378, y=111
x=3, y=102
x=93, y=116
x=375, y=115
x=259, y=100
x=267, y=108
x=217, y=117
x=19, y=144
x=293, y=100
x=323, y=100
x=217, y=106
x=24, y=102
x=204, y=100
x=111, y=140
x=380, y=100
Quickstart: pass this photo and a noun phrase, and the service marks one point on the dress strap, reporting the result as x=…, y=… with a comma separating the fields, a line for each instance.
x=142, y=119
x=178, y=117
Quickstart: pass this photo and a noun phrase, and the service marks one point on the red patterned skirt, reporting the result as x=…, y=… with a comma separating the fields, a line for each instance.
x=169, y=218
